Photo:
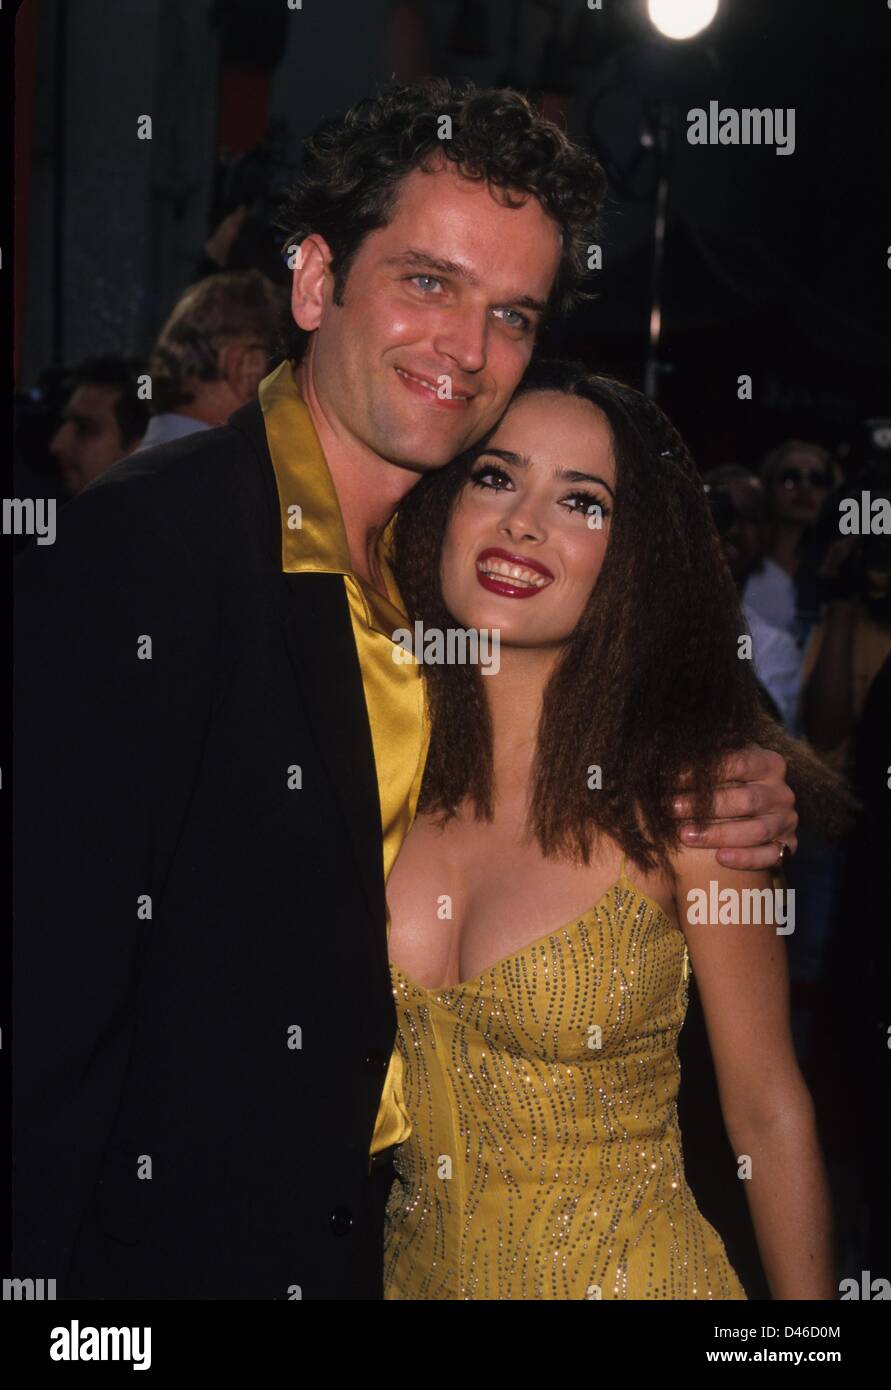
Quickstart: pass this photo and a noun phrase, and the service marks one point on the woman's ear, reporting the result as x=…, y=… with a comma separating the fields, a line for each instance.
x=311, y=280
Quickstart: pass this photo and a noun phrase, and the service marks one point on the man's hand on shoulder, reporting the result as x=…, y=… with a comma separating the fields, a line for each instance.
x=753, y=812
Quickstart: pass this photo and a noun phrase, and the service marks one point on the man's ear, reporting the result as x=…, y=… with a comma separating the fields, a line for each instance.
x=311, y=281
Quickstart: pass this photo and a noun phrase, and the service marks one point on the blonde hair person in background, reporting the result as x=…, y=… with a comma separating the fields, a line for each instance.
x=797, y=478
x=212, y=353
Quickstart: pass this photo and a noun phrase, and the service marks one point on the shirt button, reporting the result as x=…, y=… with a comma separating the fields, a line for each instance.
x=376, y=1062
x=341, y=1220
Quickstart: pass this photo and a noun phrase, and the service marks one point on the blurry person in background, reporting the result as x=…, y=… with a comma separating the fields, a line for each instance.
x=846, y=715
x=852, y=641
x=845, y=652
x=212, y=353
x=737, y=501
x=103, y=421
x=797, y=478
x=739, y=507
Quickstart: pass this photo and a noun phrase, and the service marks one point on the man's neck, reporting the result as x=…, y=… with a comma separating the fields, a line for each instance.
x=369, y=489
x=212, y=402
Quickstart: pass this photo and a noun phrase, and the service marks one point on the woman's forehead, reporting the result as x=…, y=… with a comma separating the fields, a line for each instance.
x=545, y=425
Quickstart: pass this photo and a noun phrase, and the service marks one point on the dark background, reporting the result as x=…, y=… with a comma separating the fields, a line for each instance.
x=776, y=265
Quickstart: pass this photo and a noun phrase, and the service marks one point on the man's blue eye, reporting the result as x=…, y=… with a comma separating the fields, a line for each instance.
x=520, y=320
x=426, y=277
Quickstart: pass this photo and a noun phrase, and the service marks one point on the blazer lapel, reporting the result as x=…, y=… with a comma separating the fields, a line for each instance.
x=316, y=625
x=320, y=639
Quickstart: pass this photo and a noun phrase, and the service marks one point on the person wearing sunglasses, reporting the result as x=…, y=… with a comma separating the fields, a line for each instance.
x=797, y=478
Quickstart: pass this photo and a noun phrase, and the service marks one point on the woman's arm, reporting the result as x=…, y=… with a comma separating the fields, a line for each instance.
x=742, y=976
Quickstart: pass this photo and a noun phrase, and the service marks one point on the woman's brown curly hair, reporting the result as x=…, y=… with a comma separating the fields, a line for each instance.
x=355, y=165
x=649, y=685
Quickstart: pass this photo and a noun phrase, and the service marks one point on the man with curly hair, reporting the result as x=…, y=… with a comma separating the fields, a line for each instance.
x=204, y=1018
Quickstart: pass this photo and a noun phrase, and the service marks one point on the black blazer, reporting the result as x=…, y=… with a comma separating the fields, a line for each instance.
x=165, y=785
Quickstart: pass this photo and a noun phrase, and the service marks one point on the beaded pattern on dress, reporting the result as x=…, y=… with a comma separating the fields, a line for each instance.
x=545, y=1157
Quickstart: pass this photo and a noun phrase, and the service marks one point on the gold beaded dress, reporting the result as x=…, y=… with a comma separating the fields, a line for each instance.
x=544, y=1159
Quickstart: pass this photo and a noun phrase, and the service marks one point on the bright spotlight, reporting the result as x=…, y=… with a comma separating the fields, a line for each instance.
x=682, y=19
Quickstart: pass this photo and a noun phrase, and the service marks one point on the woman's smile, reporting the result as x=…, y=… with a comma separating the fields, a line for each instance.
x=511, y=575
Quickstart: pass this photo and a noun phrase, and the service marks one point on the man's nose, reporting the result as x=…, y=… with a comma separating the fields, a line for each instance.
x=59, y=440
x=463, y=337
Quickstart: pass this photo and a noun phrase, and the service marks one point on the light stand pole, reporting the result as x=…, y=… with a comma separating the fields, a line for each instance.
x=662, y=138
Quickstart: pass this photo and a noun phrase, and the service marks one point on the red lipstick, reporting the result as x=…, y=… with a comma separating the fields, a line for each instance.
x=509, y=586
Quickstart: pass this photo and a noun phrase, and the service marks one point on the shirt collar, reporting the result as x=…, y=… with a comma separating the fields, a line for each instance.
x=313, y=535
x=169, y=426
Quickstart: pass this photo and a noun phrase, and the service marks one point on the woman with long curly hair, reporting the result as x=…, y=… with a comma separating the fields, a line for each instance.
x=544, y=913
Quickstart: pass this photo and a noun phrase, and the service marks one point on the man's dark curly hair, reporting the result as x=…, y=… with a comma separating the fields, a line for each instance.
x=355, y=164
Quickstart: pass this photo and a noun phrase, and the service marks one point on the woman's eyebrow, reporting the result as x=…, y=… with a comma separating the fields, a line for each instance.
x=566, y=475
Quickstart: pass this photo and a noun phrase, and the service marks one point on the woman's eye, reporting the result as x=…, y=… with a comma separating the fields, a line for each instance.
x=587, y=504
x=479, y=479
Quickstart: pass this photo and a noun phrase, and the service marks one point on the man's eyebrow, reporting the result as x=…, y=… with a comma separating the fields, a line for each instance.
x=416, y=257
x=567, y=475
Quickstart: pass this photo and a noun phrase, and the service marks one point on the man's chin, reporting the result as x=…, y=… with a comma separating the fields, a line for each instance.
x=420, y=457
x=424, y=438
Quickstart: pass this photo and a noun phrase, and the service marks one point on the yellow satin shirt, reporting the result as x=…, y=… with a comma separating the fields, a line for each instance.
x=313, y=539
